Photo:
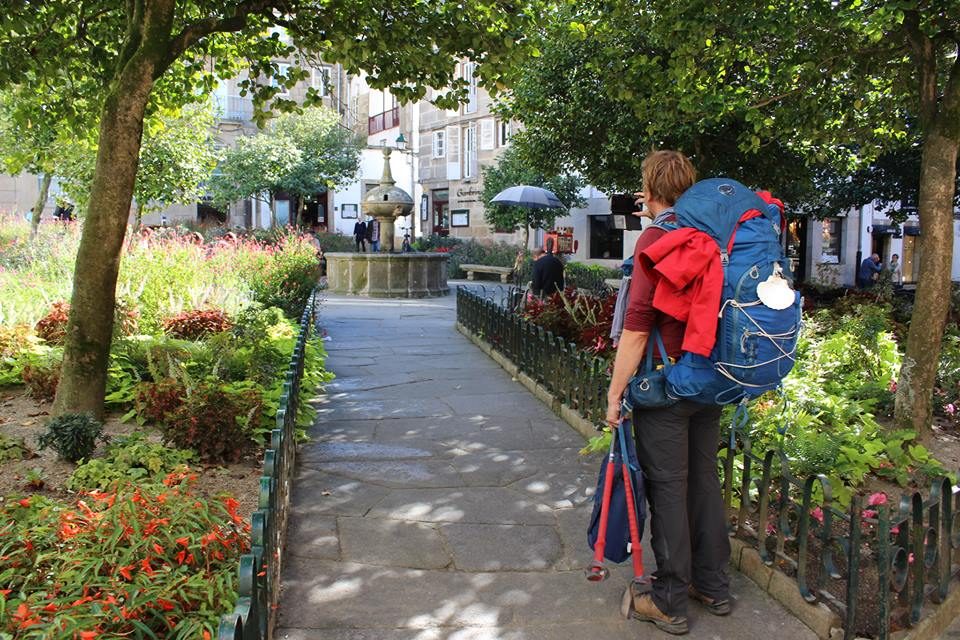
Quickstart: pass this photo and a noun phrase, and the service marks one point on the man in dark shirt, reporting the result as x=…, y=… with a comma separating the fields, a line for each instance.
x=360, y=235
x=547, y=273
x=869, y=269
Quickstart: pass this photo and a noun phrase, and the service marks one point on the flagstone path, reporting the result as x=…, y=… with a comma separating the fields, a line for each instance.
x=438, y=499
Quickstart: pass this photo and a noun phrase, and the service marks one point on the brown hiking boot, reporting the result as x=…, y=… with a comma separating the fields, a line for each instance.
x=642, y=607
x=716, y=607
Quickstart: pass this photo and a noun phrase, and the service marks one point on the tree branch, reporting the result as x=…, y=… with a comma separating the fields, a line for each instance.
x=194, y=32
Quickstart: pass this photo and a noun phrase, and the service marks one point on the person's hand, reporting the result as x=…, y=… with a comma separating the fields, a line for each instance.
x=640, y=197
x=613, y=412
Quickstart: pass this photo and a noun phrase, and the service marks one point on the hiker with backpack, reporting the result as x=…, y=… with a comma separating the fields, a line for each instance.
x=713, y=310
x=677, y=445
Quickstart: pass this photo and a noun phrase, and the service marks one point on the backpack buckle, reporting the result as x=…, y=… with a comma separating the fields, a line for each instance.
x=724, y=257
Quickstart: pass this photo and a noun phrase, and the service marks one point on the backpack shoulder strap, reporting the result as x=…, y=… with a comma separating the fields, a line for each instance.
x=666, y=220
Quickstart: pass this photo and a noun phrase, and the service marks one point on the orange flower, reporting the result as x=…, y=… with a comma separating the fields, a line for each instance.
x=88, y=635
x=125, y=572
x=184, y=541
x=145, y=567
x=158, y=549
x=25, y=502
x=50, y=608
x=206, y=635
x=181, y=556
x=166, y=605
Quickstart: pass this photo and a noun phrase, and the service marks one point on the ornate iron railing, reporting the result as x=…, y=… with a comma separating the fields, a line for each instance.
x=259, y=589
x=876, y=566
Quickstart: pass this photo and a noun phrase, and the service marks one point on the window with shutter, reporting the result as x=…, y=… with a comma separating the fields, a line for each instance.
x=452, y=138
x=469, y=151
x=470, y=75
x=487, y=132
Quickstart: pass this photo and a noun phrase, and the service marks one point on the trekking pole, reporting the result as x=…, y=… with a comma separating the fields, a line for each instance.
x=596, y=572
x=636, y=551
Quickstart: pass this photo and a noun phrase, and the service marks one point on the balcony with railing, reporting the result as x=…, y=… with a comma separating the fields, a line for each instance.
x=383, y=121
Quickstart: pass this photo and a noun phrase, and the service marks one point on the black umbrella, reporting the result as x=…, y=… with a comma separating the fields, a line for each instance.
x=524, y=195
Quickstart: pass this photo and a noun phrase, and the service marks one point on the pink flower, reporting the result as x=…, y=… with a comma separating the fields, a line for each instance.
x=771, y=529
x=950, y=409
x=910, y=559
x=893, y=386
x=817, y=514
x=876, y=499
x=895, y=530
x=868, y=513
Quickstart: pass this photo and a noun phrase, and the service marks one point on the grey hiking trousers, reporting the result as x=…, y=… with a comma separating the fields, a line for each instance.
x=677, y=449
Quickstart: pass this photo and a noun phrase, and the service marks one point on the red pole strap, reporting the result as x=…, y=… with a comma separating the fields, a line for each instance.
x=600, y=546
x=636, y=551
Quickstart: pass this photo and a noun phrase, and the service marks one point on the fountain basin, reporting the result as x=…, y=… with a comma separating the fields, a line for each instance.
x=388, y=275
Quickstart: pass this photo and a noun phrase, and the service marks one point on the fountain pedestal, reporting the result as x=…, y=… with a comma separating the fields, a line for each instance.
x=387, y=274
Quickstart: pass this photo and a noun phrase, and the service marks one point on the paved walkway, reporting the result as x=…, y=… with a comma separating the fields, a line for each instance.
x=439, y=499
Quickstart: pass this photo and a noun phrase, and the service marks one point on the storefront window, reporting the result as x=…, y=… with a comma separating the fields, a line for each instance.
x=831, y=247
x=606, y=242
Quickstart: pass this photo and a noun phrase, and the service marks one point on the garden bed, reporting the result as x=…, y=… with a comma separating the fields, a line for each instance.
x=24, y=417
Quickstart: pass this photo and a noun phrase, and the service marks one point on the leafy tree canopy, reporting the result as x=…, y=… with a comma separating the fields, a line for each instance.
x=300, y=154
x=513, y=168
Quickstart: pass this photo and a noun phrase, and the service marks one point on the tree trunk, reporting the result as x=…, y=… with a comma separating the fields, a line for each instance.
x=90, y=327
x=273, y=212
x=38, y=207
x=295, y=222
x=938, y=175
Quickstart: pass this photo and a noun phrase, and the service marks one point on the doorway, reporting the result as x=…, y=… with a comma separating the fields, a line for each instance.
x=796, y=247
x=441, y=211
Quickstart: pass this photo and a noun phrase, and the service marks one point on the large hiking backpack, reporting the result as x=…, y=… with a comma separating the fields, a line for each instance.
x=756, y=344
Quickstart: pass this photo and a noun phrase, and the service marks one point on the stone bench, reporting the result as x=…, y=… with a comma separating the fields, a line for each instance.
x=503, y=272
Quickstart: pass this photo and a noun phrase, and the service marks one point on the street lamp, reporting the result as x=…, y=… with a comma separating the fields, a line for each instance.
x=401, y=143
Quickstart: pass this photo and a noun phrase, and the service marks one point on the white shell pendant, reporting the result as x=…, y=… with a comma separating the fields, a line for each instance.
x=775, y=291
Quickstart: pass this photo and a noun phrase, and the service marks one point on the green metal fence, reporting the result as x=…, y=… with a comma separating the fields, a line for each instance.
x=253, y=616
x=877, y=566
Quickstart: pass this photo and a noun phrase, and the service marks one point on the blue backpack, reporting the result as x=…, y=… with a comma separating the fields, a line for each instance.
x=756, y=344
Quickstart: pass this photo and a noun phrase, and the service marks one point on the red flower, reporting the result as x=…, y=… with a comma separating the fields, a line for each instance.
x=876, y=499
x=50, y=608
x=88, y=635
x=145, y=567
x=25, y=502
x=158, y=549
x=184, y=541
x=125, y=572
x=166, y=605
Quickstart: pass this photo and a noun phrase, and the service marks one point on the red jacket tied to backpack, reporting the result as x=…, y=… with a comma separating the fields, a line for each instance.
x=685, y=267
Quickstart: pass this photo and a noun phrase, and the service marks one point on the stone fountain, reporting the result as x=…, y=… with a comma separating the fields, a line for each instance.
x=388, y=274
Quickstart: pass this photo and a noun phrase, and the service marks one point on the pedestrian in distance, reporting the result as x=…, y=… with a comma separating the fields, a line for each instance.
x=896, y=274
x=373, y=235
x=869, y=271
x=547, y=272
x=360, y=235
x=676, y=445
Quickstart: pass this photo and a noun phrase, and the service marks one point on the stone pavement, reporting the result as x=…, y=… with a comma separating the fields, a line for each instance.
x=439, y=499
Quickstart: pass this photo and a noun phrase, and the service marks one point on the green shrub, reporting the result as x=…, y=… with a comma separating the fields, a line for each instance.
x=286, y=277
x=41, y=374
x=13, y=449
x=154, y=402
x=130, y=458
x=499, y=254
x=218, y=421
x=335, y=242
x=196, y=324
x=434, y=242
x=72, y=435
